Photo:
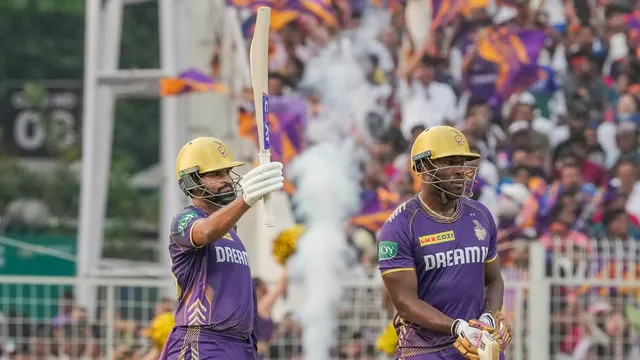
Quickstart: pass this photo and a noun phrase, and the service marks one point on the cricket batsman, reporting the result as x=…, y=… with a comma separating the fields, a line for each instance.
x=438, y=258
x=217, y=303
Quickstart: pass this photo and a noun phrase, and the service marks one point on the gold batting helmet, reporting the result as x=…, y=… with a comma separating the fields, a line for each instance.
x=199, y=156
x=440, y=142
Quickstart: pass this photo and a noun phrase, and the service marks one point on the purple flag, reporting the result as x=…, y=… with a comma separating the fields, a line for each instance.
x=515, y=52
x=287, y=123
x=444, y=11
x=377, y=206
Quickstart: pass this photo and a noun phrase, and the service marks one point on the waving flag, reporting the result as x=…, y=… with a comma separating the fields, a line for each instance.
x=287, y=123
x=478, y=75
x=285, y=11
x=320, y=9
x=444, y=11
x=377, y=205
x=515, y=51
x=188, y=81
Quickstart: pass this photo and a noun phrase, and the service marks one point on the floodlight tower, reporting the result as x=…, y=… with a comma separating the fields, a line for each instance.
x=188, y=30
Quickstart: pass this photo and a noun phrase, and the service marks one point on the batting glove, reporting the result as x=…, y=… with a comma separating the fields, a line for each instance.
x=468, y=339
x=488, y=319
x=261, y=181
x=497, y=325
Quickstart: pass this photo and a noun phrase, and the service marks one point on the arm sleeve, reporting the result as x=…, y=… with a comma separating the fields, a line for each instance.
x=395, y=250
x=181, y=228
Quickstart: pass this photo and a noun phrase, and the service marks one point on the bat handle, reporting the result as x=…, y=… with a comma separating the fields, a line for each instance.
x=265, y=158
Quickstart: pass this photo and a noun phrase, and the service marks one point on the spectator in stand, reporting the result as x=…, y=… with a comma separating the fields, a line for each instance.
x=65, y=307
x=575, y=128
x=265, y=326
x=616, y=225
x=560, y=237
x=425, y=101
x=489, y=137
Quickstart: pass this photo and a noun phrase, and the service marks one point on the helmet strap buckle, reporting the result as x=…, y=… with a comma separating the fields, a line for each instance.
x=188, y=181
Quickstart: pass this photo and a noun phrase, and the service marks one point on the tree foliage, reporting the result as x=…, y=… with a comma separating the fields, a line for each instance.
x=44, y=39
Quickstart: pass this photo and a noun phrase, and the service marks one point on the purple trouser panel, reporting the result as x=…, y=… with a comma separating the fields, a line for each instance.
x=449, y=354
x=201, y=344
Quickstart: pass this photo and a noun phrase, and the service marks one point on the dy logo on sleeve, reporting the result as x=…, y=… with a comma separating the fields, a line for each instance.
x=387, y=250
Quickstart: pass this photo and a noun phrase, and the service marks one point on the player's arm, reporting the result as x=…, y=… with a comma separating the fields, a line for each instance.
x=403, y=290
x=494, y=285
x=192, y=230
x=397, y=266
x=215, y=226
x=493, y=282
x=499, y=327
x=257, y=183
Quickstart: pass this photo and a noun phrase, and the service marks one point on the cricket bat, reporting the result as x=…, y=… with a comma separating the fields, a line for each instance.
x=488, y=349
x=259, y=62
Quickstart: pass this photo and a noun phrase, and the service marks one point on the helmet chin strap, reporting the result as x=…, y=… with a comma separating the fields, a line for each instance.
x=443, y=197
x=443, y=194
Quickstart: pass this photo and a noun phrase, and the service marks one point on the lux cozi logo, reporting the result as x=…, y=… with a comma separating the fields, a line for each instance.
x=437, y=238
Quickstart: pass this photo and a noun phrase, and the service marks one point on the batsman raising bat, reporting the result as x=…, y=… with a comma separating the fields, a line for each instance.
x=216, y=298
x=439, y=262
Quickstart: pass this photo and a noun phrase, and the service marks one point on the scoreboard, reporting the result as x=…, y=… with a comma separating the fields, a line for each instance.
x=41, y=119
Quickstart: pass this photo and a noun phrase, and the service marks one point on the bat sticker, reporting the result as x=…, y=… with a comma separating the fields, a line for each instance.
x=265, y=120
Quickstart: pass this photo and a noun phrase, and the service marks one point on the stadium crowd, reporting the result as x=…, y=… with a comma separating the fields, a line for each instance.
x=558, y=134
x=547, y=92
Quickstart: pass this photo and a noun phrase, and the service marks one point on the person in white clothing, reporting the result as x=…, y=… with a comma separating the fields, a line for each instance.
x=425, y=101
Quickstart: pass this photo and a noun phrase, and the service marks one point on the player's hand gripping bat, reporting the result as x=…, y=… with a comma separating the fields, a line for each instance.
x=477, y=346
x=496, y=324
x=258, y=58
x=468, y=339
x=488, y=349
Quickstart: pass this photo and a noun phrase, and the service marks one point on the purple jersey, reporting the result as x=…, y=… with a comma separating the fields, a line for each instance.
x=215, y=288
x=449, y=260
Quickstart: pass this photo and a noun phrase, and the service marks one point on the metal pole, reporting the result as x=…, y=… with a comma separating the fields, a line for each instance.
x=111, y=37
x=170, y=131
x=538, y=310
x=86, y=232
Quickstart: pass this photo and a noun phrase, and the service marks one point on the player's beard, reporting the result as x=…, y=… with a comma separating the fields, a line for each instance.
x=450, y=190
x=222, y=197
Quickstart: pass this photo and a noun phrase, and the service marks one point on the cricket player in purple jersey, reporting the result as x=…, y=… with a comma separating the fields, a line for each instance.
x=217, y=302
x=438, y=257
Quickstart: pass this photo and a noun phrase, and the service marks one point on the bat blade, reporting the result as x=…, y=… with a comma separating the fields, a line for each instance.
x=259, y=63
x=488, y=349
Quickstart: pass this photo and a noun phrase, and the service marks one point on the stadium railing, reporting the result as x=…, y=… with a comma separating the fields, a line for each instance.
x=569, y=298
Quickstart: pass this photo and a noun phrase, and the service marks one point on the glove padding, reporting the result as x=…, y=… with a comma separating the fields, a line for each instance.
x=465, y=349
x=496, y=324
x=261, y=181
x=468, y=339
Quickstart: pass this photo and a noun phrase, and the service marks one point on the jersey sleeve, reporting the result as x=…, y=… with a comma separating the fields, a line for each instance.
x=395, y=250
x=181, y=230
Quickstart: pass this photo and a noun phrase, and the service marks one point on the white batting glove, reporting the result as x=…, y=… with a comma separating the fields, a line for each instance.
x=461, y=329
x=261, y=181
x=488, y=319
